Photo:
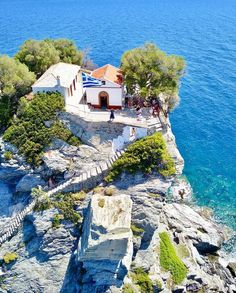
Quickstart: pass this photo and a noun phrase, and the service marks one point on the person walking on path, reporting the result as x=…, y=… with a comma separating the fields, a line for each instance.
x=112, y=115
x=139, y=113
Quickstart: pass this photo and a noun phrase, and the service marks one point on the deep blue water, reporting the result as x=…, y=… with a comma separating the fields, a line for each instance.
x=202, y=31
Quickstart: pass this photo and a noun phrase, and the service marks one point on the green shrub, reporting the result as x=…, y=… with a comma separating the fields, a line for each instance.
x=28, y=131
x=66, y=207
x=8, y=155
x=56, y=220
x=146, y=155
x=58, y=130
x=142, y=279
x=37, y=192
x=127, y=288
x=136, y=230
x=109, y=191
x=10, y=257
x=78, y=196
x=169, y=259
x=98, y=189
x=158, y=284
x=101, y=202
x=42, y=203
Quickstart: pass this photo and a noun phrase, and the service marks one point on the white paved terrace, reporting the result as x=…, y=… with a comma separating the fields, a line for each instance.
x=126, y=116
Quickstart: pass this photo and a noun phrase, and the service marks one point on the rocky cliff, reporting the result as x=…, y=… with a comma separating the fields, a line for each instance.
x=118, y=246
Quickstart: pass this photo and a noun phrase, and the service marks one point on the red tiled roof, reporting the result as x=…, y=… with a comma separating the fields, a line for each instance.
x=108, y=72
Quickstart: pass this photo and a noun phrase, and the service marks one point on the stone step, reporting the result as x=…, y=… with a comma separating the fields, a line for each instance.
x=112, y=159
x=118, y=154
x=88, y=174
x=94, y=172
x=109, y=164
x=84, y=176
x=99, y=170
x=103, y=166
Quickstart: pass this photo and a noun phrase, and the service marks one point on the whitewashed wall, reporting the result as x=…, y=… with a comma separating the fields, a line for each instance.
x=77, y=95
x=69, y=100
x=129, y=134
x=115, y=95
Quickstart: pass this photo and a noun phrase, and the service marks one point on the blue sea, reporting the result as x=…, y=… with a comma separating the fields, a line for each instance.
x=202, y=31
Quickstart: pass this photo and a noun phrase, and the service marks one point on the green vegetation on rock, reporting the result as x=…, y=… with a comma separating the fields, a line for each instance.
x=158, y=285
x=145, y=155
x=40, y=55
x=148, y=72
x=42, y=203
x=109, y=191
x=136, y=230
x=169, y=259
x=8, y=155
x=65, y=203
x=15, y=81
x=28, y=131
x=9, y=257
x=56, y=221
x=127, y=288
x=142, y=279
x=78, y=196
x=66, y=206
x=58, y=130
x=101, y=202
x=37, y=192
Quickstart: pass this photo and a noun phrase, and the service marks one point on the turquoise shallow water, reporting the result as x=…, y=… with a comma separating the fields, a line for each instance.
x=203, y=31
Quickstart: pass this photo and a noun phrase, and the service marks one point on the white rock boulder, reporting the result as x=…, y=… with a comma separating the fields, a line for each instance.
x=105, y=248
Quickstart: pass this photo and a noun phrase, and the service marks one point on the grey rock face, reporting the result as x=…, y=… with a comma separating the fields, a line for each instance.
x=172, y=148
x=46, y=261
x=181, y=190
x=232, y=267
x=64, y=158
x=205, y=235
x=28, y=182
x=55, y=162
x=12, y=173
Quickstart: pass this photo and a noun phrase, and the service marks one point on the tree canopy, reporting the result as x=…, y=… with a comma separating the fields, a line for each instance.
x=68, y=52
x=149, y=72
x=15, y=81
x=40, y=55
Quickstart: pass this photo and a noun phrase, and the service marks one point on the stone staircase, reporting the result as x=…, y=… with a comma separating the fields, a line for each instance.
x=154, y=125
x=86, y=180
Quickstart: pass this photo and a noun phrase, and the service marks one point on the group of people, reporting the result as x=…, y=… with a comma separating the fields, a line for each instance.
x=155, y=108
x=139, y=103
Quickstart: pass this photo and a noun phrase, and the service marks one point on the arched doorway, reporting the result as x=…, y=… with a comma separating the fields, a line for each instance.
x=103, y=100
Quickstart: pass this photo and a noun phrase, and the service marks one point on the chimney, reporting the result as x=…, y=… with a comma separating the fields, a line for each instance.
x=58, y=81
